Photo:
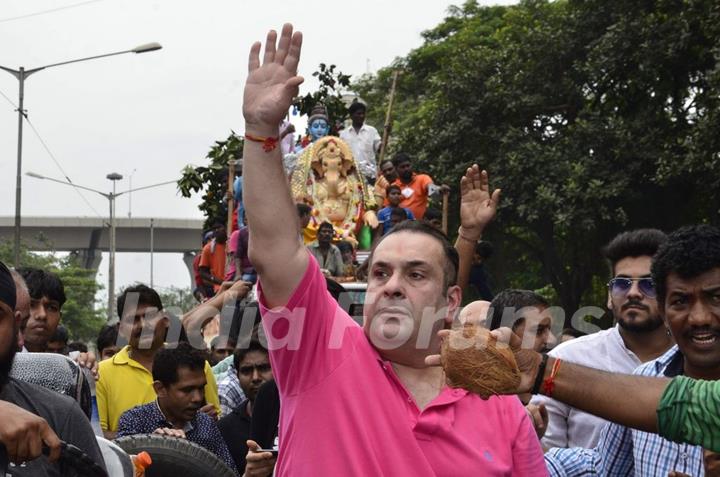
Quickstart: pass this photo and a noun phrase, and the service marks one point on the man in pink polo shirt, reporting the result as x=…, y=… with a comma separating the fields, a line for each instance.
x=360, y=400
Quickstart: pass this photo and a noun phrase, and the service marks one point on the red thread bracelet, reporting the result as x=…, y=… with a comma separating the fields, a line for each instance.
x=549, y=382
x=269, y=143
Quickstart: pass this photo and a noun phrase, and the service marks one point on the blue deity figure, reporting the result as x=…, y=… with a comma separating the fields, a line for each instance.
x=318, y=126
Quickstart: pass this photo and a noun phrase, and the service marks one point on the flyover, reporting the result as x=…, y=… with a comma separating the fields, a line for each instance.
x=87, y=237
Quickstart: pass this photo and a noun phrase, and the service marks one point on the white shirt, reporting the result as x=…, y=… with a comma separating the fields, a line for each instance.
x=364, y=144
x=605, y=350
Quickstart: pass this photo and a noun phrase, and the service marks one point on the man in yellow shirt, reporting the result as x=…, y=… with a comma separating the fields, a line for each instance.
x=126, y=379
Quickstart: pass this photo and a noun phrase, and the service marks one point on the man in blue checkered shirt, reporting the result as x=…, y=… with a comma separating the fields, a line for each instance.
x=622, y=451
x=179, y=384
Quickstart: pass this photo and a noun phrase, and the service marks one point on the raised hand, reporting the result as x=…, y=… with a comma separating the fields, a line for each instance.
x=270, y=87
x=477, y=206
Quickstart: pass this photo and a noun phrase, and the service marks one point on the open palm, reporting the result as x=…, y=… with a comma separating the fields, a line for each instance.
x=477, y=206
x=270, y=87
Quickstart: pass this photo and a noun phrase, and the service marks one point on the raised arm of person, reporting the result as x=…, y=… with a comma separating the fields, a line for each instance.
x=275, y=250
x=591, y=390
x=477, y=209
x=230, y=292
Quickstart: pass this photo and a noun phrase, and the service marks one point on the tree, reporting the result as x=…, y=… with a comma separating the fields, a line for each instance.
x=592, y=116
x=329, y=94
x=212, y=180
x=178, y=298
x=80, y=313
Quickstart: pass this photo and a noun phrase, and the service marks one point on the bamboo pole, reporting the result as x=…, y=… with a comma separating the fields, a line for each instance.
x=230, y=194
x=388, y=119
x=445, y=208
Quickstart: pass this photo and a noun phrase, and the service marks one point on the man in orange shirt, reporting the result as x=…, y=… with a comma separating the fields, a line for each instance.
x=212, y=260
x=415, y=188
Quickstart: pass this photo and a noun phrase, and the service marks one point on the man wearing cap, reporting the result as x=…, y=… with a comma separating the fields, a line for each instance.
x=33, y=416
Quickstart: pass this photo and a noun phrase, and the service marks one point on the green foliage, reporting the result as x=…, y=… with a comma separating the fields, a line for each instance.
x=211, y=180
x=592, y=116
x=175, y=297
x=80, y=315
x=332, y=82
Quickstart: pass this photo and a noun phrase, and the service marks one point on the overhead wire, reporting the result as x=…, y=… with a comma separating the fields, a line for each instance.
x=43, y=12
x=8, y=100
x=57, y=163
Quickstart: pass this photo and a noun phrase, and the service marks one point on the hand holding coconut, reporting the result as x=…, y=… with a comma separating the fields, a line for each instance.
x=486, y=362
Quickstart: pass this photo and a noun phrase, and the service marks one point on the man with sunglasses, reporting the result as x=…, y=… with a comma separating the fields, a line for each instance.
x=253, y=370
x=639, y=335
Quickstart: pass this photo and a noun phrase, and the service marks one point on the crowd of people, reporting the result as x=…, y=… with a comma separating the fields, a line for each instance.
x=290, y=384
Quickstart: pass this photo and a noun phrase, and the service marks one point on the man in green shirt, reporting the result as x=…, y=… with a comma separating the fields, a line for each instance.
x=686, y=274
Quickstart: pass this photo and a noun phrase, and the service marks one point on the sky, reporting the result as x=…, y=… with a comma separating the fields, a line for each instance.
x=146, y=116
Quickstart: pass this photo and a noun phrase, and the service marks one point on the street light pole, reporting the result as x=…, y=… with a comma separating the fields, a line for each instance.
x=111, y=197
x=18, y=175
x=21, y=74
x=114, y=177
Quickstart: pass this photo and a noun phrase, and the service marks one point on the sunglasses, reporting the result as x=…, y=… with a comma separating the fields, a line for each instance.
x=248, y=370
x=621, y=286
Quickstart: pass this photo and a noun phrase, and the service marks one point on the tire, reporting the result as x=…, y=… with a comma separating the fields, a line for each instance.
x=174, y=457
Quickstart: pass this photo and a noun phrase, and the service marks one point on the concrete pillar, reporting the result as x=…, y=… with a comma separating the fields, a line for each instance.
x=189, y=258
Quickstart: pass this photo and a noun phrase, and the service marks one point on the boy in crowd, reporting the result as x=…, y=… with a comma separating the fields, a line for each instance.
x=107, y=345
x=394, y=197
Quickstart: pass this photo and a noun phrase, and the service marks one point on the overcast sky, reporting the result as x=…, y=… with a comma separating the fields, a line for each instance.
x=156, y=112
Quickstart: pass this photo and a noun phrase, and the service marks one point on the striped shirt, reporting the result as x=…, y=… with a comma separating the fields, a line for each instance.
x=229, y=391
x=622, y=451
x=689, y=411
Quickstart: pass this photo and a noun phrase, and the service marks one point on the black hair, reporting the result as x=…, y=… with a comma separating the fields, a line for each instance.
x=146, y=296
x=107, y=337
x=485, y=249
x=634, y=243
x=513, y=298
x=167, y=362
x=61, y=335
x=334, y=288
x=303, y=209
x=573, y=332
x=216, y=341
x=243, y=312
x=41, y=283
x=452, y=260
x=688, y=252
x=432, y=214
x=240, y=353
x=325, y=225
x=356, y=106
x=77, y=346
x=345, y=246
x=401, y=158
x=392, y=187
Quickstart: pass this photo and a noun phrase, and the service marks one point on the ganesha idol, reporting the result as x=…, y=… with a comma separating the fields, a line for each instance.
x=326, y=177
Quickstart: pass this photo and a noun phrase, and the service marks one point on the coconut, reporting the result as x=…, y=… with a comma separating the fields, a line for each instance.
x=473, y=360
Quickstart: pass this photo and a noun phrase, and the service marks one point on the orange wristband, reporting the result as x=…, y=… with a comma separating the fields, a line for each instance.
x=269, y=143
x=549, y=382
